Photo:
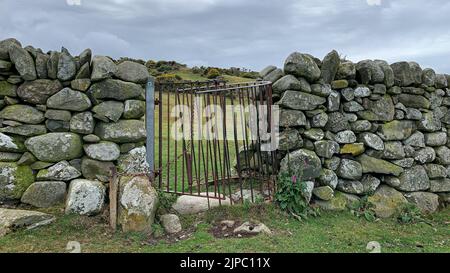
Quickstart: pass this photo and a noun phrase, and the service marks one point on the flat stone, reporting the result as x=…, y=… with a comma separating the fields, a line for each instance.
x=13, y=219
x=301, y=101
x=22, y=113
x=186, y=204
x=102, y=151
x=427, y=202
x=62, y=171
x=124, y=131
x=378, y=166
x=45, y=194
x=55, y=147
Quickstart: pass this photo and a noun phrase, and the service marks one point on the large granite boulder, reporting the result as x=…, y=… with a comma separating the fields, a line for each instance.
x=132, y=72
x=414, y=179
x=303, y=163
x=114, y=90
x=302, y=65
x=68, y=99
x=45, y=194
x=38, y=91
x=387, y=201
x=123, y=131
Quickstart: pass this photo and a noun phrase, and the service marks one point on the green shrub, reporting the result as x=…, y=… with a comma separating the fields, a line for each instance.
x=290, y=197
x=168, y=78
x=213, y=73
x=363, y=208
x=410, y=214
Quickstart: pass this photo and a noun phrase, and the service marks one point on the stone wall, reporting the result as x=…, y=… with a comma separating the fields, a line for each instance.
x=64, y=122
x=367, y=128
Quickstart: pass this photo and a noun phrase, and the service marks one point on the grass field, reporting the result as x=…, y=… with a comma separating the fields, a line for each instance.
x=331, y=232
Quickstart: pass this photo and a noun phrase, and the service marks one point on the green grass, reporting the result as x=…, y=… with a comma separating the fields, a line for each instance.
x=332, y=232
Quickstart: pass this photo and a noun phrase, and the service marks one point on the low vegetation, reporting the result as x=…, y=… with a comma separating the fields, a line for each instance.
x=331, y=232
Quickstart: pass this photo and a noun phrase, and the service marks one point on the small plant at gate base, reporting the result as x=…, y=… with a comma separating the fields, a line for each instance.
x=166, y=200
x=290, y=197
x=363, y=208
x=410, y=214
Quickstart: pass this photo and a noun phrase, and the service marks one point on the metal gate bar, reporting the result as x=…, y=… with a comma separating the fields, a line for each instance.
x=222, y=160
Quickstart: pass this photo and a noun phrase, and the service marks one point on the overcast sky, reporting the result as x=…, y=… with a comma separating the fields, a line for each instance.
x=242, y=33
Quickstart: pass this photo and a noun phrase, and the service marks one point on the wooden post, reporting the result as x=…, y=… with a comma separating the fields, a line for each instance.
x=113, y=191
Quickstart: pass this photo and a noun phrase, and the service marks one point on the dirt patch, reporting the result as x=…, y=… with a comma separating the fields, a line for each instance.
x=224, y=229
x=171, y=238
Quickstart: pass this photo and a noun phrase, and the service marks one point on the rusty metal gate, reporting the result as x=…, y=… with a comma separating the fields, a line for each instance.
x=212, y=139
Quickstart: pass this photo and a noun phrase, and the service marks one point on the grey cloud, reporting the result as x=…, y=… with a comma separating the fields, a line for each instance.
x=246, y=33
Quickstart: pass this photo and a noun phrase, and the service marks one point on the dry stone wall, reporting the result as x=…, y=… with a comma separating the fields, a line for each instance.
x=64, y=122
x=366, y=128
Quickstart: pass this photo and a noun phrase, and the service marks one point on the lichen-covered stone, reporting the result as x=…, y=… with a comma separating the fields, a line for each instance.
x=414, y=179
x=123, y=131
x=387, y=201
x=325, y=193
x=292, y=118
x=303, y=163
x=7, y=89
x=290, y=82
x=349, y=169
x=290, y=139
x=85, y=197
x=45, y=194
x=301, y=101
x=68, y=99
x=96, y=170
x=102, y=68
x=11, y=144
x=396, y=130
x=378, y=166
x=82, y=123
x=133, y=162
x=427, y=202
x=326, y=148
x=114, y=90
x=62, y=171
x=138, y=202
x=354, y=149
x=328, y=178
x=112, y=110
x=22, y=113
x=23, y=62
x=302, y=65
x=373, y=141
x=134, y=109
x=14, y=180
x=67, y=68
x=55, y=147
x=103, y=151
x=440, y=185
x=132, y=72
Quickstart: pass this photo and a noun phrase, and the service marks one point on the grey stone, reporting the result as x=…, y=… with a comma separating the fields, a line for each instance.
x=80, y=84
x=14, y=180
x=349, y=169
x=186, y=204
x=5, y=45
x=440, y=185
x=393, y=150
x=26, y=159
x=403, y=74
x=22, y=113
x=361, y=126
x=362, y=92
x=123, y=131
x=68, y=99
x=370, y=184
x=328, y=178
x=91, y=138
x=7, y=89
x=314, y=134
x=274, y=76
x=45, y=194
x=429, y=123
x=425, y=155
x=57, y=125
x=103, y=151
x=435, y=171
x=441, y=81
x=352, y=106
x=326, y=148
x=321, y=90
x=413, y=114
x=325, y=193
x=114, y=90
x=133, y=162
x=352, y=187
x=26, y=130
x=436, y=139
x=396, y=130
x=267, y=70
x=13, y=219
x=416, y=140
x=112, y=110
x=290, y=139
x=61, y=171
x=414, y=179
x=82, y=123
x=11, y=144
x=102, y=68
x=9, y=157
x=337, y=122
x=290, y=82
x=387, y=202
x=58, y=115
x=171, y=223
x=382, y=109
x=320, y=120
x=96, y=170
x=41, y=65
x=85, y=197
x=330, y=66
x=443, y=155
x=132, y=72
x=334, y=101
x=134, y=109
x=302, y=65
x=303, y=163
x=23, y=62
x=404, y=163
x=378, y=166
x=52, y=65
x=345, y=137
x=332, y=163
x=369, y=71
x=55, y=147
x=427, y=202
x=371, y=140
x=300, y=100
x=67, y=67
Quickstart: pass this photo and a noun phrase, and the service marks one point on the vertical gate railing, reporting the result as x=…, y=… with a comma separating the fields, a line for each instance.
x=212, y=139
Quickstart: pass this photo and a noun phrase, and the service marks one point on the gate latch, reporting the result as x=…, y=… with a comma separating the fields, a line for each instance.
x=156, y=101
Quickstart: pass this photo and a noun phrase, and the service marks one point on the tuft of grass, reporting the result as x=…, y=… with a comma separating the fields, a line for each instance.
x=332, y=232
